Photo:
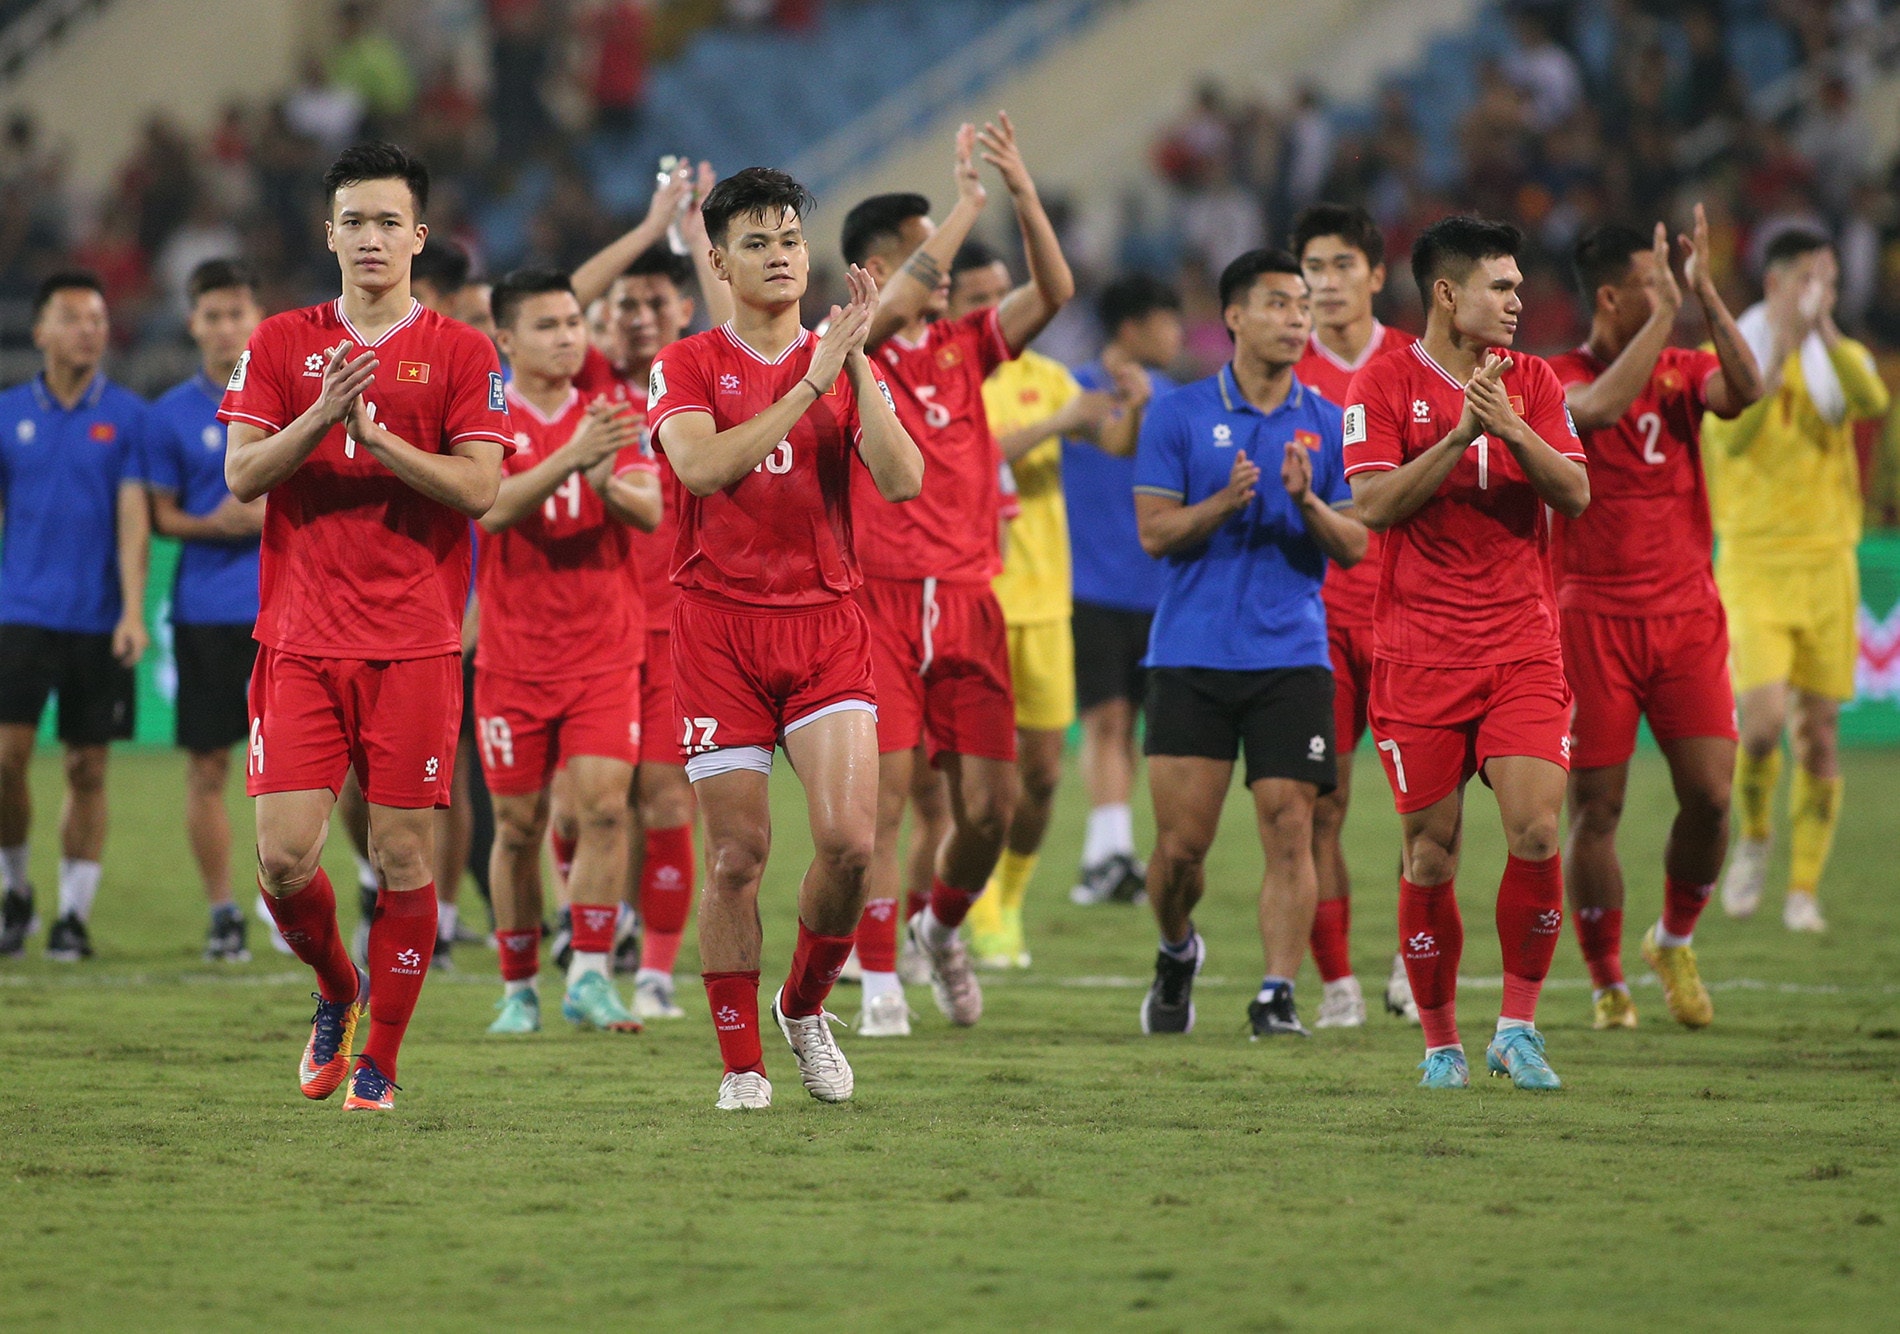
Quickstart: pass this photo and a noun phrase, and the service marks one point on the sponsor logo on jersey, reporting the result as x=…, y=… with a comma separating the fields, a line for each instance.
x=240, y=372
x=1355, y=424
x=1421, y=411
x=313, y=365
x=26, y=431
x=412, y=372
x=1223, y=435
x=728, y=383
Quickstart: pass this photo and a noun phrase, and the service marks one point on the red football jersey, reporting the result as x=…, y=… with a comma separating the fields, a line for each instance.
x=1349, y=593
x=781, y=536
x=357, y=564
x=652, y=552
x=560, y=593
x=1643, y=548
x=1463, y=582
x=951, y=530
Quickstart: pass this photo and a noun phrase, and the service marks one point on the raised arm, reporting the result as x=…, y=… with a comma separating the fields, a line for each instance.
x=595, y=275
x=1026, y=312
x=135, y=553
x=605, y=429
x=712, y=288
x=1740, y=384
x=255, y=460
x=1603, y=401
x=1085, y=417
x=1134, y=390
x=904, y=296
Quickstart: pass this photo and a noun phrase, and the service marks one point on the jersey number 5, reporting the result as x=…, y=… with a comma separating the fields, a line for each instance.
x=936, y=415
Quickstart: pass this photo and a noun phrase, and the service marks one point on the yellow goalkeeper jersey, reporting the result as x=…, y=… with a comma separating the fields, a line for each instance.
x=1785, y=481
x=1034, y=584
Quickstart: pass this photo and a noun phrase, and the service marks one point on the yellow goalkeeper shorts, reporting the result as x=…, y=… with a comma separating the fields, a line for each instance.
x=1042, y=673
x=1791, y=620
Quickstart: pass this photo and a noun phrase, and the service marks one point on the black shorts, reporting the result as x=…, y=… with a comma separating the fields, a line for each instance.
x=214, y=683
x=96, y=693
x=1109, y=646
x=1284, y=718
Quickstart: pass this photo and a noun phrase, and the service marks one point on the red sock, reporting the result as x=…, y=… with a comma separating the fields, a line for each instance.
x=734, y=1001
x=307, y=921
x=816, y=963
x=1600, y=932
x=594, y=927
x=877, y=936
x=1530, y=916
x=563, y=849
x=666, y=895
x=1332, y=921
x=520, y=953
x=1432, y=941
x=915, y=902
x=949, y=904
x=401, y=940
x=1682, y=905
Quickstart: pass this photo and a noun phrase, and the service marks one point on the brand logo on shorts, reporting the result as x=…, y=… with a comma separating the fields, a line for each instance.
x=1223, y=435
x=1421, y=945
x=1564, y=746
x=1421, y=411
x=1548, y=921
x=1316, y=748
x=432, y=768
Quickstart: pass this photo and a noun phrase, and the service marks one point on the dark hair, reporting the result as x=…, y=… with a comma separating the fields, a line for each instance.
x=443, y=264
x=973, y=254
x=1132, y=296
x=1238, y=278
x=1452, y=245
x=1602, y=256
x=378, y=162
x=870, y=222
x=1793, y=244
x=65, y=280
x=1348, y=222
x=755, y=192
x=660, y=262
x=219, y=275
x=507, y=296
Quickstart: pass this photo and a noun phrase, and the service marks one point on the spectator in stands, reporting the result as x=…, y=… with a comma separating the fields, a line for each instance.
x=370, y=63
x=617, y=33
x=1542, y=70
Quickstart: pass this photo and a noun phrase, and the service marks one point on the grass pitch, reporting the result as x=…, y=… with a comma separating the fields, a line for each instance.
x=1050, y=1169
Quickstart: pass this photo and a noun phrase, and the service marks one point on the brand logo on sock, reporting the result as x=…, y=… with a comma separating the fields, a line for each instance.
x=881, y=910
x=1421, y=945
x=666, y=877
x=726, y=1018
x=409, y=961
x=1548, y=921
x=294, y=937
x=596, y=918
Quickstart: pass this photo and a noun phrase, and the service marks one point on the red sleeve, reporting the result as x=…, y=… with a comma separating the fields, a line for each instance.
x=477, y=407
x=983, y=329
x=1572, y=369
x=1698, y=368
x=255, y=393
x=597, y=376
x=1372, y=431
x=634, y=459
x=1547, y=413
x=678, y=382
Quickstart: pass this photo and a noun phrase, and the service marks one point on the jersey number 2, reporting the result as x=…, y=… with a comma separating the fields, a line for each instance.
x=1651, y=426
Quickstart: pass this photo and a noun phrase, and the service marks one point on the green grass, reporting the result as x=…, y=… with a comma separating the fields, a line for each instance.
x=1049, y=1169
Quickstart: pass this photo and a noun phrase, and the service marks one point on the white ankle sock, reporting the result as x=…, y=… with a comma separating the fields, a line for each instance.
x=585, y=963
x=365, y=874
x=936, y=935
x=445, y=921
x=1671, y=941
x=1505, y=1025
x=880, y=984
x=13, y=868
x=78, y=886
x=519, y=985
x=1111, y=830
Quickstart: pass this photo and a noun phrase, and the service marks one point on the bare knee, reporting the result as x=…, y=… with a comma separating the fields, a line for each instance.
x=86, y=770
x=844, y=855
x=286, y=862
x=403, y=857
x=1178, y=854
x=1596, y=815
x=1533, y=839
x=1329, y=818
x=205, y=774
x=734, y=863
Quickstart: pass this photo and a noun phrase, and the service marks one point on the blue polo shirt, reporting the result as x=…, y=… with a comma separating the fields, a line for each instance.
x=1248, y=598
x=217, y=581
x=1109, y=567
x=60, y=472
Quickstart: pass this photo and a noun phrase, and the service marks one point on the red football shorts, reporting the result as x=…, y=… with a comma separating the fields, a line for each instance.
x=1351, y=647
x=524, y=730
x=656, y=701
x=1672, y=669
x=395, y=723
x=742, y=677
x=1437, y=726
x=941, y=655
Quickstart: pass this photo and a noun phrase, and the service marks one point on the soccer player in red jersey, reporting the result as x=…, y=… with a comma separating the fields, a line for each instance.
x=1449, y=448
x=939, y=642
x=764, y=425
x=557, y=672
x=1342, y=255
x=1643, y=628
x=378, y=429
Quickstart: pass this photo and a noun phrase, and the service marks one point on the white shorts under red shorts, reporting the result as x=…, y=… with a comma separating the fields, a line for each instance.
x=1671, y=669
x=524, y=730
x=941, y=655
x=1351, y=647
x=744, y=676
x=395, y=723
x=1437, y=726
x=658, y=743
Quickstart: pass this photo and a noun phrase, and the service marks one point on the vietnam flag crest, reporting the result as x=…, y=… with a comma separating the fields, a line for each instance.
x=1307, y=438
x=412, y=372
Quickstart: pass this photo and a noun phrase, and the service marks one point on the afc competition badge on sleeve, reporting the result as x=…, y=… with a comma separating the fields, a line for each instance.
x=656, y=384
x=497, y=395
x=1355, y=424
x=239, y=372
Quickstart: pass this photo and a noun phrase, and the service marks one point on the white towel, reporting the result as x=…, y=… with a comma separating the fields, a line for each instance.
x=1824, y=386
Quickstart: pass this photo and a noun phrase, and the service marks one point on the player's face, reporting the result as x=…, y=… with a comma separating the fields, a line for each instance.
x=221, y=323
x=1788, y=280
x=765, y=260
x=73, y=328
x=1273, y=322
x=1153, y=339
x=373, y=230
x=1484, y=307
x=546, y=337
x=646, y=312
x=1341, y=281
x=470, y=306
x=978, y=289
x=1635, y=299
